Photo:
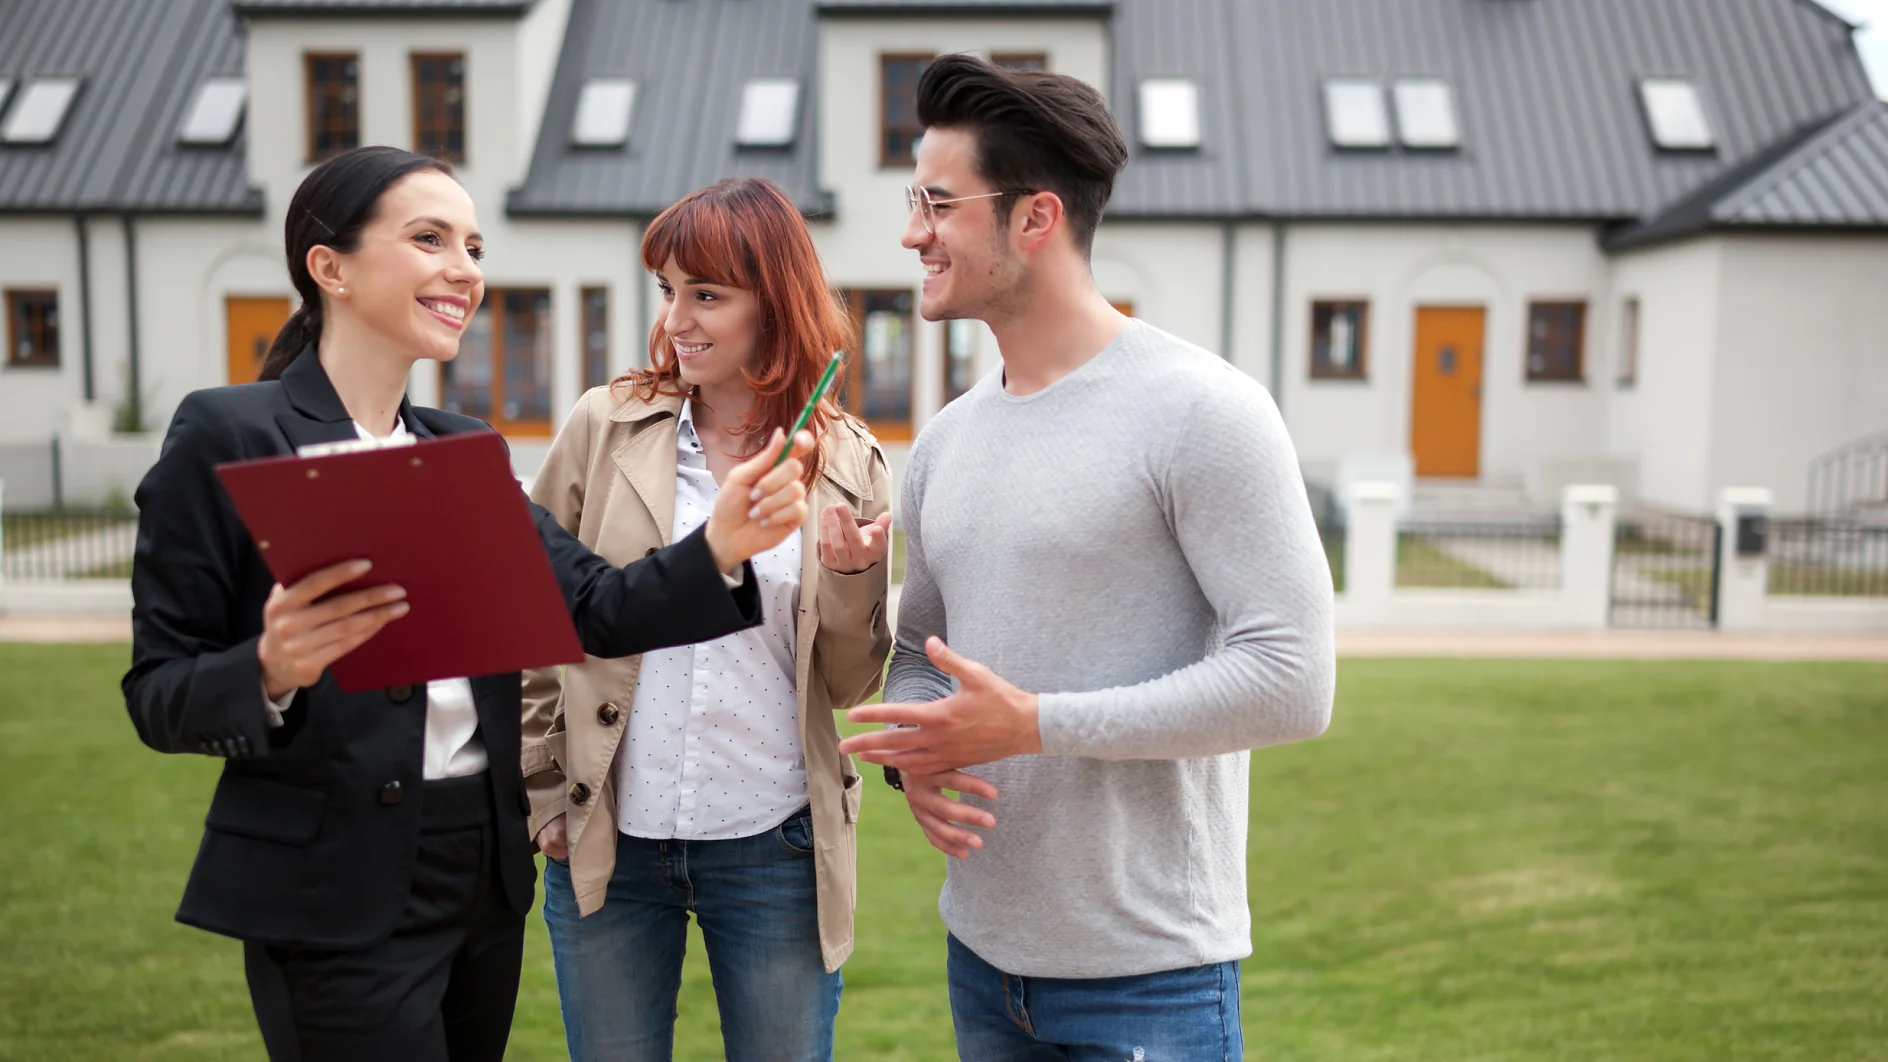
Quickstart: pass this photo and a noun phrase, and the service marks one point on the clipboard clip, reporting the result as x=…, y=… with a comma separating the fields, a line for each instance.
x=354, y=446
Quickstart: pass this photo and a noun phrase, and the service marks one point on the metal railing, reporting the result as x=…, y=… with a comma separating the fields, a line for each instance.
x=1852, y=479
x=1482, y=553
x=67, y=545
x=1829, y=557
x=1665, y=571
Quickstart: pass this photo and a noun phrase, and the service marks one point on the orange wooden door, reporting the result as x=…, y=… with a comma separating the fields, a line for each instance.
x=1445, y=431
x=253, y=324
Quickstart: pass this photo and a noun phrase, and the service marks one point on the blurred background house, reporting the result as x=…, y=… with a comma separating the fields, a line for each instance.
x=1485, y=248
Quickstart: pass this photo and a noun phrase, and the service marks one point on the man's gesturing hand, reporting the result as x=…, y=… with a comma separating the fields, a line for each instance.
x=943, y=819
x=986, y=719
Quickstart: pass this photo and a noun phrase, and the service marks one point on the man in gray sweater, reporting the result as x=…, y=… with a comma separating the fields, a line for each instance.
x=1113, y=537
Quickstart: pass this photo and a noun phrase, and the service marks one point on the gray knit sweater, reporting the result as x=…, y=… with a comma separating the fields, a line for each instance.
x=1133, y=543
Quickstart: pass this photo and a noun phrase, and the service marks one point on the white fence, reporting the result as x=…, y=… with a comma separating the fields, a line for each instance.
x=1582, y=596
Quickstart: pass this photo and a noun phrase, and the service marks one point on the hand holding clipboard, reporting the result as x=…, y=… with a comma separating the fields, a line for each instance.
x=463, y=583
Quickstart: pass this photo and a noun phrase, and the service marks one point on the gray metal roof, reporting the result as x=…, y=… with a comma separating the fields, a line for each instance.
x=984, y=8
x=1834, y=174
x=1545, y=94
x=1545, y=90
x=117, y=150
x=689, y=61
x=356, y=8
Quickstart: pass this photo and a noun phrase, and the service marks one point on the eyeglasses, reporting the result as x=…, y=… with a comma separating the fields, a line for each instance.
x=918, y=200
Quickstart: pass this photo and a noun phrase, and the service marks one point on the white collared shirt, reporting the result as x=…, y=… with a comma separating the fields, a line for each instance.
x=712, y=750
x=453, y=747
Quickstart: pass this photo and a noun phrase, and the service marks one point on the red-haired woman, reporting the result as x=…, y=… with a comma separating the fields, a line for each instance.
x=709, y=779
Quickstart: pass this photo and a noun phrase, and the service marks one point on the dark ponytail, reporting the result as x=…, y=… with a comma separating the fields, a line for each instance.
x=334, y=203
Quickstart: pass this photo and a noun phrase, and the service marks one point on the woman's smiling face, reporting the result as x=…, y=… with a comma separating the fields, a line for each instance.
x=712, y=328
x=415, y=278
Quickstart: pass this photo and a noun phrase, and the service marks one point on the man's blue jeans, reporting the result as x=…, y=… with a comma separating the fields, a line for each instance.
x=1186, y=1015
x=620, y=970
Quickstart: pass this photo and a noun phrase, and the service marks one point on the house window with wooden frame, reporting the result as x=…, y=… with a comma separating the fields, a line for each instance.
x=1628, y=375
x=1339, y=339
x=1020, y=60
x=503, y=371
x=898, y=108
x=878, y=374
x=334, y=111
x=439, y=106
x=596, y=336
x=960, y=356
x=1556, y=341
x=32, y=330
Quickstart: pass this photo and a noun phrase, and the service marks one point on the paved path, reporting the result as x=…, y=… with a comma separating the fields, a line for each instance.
x=1596, y=645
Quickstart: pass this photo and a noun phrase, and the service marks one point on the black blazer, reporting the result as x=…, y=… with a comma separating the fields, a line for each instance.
x=312, y=833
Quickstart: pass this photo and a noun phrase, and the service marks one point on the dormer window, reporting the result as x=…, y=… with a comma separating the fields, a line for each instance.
x=215, y=111
x=1425, y=114
x=603, y=112
x=41, y=111
x=1675, y=114
x=1170, y=113
x=770, y=113
x=1354, y=113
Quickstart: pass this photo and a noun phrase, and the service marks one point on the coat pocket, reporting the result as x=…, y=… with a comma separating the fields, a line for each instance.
x=266, y=808
x=855, y=791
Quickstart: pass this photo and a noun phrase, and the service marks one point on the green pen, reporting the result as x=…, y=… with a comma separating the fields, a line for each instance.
x=825, y=381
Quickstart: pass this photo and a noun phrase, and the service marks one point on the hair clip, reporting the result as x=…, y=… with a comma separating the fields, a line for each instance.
x=318, y=221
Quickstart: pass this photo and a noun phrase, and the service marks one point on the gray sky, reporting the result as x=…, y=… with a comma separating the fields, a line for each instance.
x=1872, y=38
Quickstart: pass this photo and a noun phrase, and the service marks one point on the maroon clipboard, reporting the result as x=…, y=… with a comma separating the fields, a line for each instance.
x=443, y=518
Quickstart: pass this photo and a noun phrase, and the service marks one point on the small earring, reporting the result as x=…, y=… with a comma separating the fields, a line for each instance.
x=340, y=291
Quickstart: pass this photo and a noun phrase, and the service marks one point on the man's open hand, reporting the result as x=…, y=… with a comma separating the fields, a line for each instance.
x=987, y=719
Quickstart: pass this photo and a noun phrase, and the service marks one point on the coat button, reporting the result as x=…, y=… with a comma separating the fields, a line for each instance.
x=391, y=794
x=608, y=714
x=579, y=793
x=650, y=552
x=400, y=694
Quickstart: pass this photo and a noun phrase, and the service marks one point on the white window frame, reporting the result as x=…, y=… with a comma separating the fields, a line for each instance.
x=216, y=112
x=606, y=109
x=41, y=111
x=1169, y=113
x=1426, y=115
x=770, y=113
x=1348, y=127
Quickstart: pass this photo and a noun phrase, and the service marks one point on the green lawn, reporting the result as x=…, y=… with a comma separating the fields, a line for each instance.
x=1482, y=861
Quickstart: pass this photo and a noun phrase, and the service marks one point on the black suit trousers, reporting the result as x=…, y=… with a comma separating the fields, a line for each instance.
x=440, y=988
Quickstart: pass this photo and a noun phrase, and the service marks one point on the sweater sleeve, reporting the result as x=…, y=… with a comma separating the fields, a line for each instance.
x=912, y=678
x=1236, y=502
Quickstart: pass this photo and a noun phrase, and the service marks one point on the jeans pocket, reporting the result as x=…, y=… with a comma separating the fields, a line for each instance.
x=796, y=835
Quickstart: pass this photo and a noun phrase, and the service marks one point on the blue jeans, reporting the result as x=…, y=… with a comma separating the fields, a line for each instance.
x=620, y=970
x=1186, y=1015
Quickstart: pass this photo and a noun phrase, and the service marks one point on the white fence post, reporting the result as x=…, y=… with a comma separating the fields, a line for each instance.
x=3, y=532
x=1370, y=550
x=1587, y=514
x=1743, y=576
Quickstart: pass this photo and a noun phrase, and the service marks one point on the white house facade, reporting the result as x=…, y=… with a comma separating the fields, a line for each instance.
x=1520, y=243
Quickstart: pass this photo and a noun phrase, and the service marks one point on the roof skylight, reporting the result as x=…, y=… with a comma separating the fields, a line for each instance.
x=41, y=110
x=1425, y=114
x=770, y=112
x=215, y=112
x=603, y=112
x=1676, y=114
x=1354, y=113
x=1170, y=113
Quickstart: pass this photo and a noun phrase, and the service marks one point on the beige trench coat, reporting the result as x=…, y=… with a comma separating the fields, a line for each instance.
x=610, y=480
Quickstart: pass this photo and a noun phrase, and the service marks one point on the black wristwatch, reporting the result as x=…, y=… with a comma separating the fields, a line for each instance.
x=892, y=779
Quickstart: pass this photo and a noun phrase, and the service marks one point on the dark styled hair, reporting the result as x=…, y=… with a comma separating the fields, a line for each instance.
x=335, y=201
x=1035, y=132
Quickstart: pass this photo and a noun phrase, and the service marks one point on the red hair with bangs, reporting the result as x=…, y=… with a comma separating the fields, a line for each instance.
x=745, y=233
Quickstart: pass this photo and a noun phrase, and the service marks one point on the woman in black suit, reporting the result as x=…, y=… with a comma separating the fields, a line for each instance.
x=370, y=849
